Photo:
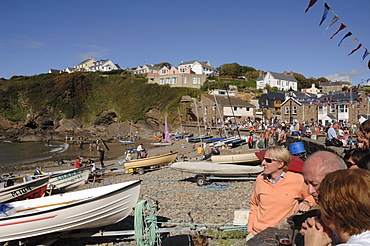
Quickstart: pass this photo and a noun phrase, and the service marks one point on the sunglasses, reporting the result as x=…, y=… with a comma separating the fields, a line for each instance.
x=349, y=164
x=269, y=160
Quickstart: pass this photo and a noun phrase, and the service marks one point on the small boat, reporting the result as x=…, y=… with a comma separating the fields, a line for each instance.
x=162, y=144
x=199, y=138
x=83, y=209
x=207, y=168
x=158, y=160
x=222, y=142
x=236, y=158
x=180, y=135
x=125, y=142
x=236, y=142
x=68, y=180
x=215, y=139
x=29, y=189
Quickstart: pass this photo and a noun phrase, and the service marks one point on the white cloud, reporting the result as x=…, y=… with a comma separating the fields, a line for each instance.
x=22, y=43
x=345, y=76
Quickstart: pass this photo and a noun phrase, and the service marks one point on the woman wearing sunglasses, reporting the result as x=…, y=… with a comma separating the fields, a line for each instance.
x=277, y=192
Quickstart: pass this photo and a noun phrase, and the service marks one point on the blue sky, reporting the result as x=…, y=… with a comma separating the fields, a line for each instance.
x=273, y=35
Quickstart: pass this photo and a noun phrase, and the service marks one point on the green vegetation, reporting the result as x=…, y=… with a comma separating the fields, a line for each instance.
x=224, y=84
x=86, y=95
x=228, y=238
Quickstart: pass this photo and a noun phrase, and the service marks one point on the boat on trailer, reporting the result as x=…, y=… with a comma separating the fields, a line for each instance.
x=83, y=209
x=205, y=171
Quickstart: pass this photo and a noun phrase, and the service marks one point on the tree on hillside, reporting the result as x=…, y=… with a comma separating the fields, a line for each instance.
x=162, y=64
x=234, y=69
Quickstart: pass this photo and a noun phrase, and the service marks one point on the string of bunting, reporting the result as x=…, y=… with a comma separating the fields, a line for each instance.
x=341, y=27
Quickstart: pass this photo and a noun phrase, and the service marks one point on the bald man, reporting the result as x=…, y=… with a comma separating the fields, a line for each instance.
x=314, y=170
x=317, y=166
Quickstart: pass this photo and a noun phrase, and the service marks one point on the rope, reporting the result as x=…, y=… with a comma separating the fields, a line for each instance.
x=145, y=227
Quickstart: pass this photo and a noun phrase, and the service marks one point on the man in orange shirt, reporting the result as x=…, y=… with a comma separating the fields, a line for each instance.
x=277, y=192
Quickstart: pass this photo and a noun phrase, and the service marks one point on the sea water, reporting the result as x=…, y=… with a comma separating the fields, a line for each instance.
x=12, y=153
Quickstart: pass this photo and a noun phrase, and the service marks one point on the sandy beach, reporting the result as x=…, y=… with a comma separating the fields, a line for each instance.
x=176, y=192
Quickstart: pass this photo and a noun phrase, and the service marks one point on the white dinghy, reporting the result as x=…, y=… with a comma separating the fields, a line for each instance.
x=89, y=208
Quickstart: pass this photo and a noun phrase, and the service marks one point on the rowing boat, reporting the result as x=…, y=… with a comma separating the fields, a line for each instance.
x=30, y=189
x=157, y=160
x=235, y=159
x=83, y=209
x=208, y=168
x=68, y=180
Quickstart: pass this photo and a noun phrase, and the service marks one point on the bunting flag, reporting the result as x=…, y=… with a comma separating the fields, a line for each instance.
x=365, y=54
x=345, y=36
x=368, y=64
x=326, y=10
x=311, y=3
x=353, y=40
x=342, y=26
x=353, y=51
x=335, y=19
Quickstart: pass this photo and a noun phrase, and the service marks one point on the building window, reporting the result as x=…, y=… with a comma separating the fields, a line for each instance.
x=247, y=109
x=168, y=81
x=332, y=108
x=182, y=70
x=161, y=81
x=321, y=109
x=295, y=109
x=164, y=71
x=235, y=108
x=286, y=110
x=174, y=80
x=343, y=109
x=184, y=80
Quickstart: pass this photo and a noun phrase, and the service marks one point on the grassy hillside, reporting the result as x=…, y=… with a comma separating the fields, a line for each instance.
x=85, y=95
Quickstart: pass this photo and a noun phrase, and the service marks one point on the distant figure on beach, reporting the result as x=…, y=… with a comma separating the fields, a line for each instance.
x=101, y=157
x=78, y=162
x=200, y=149
x=139, y=149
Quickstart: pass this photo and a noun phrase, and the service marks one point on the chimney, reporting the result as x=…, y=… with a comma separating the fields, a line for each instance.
x=285, y=72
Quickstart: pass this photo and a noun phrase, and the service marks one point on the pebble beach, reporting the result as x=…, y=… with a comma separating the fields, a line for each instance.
x=176, y=193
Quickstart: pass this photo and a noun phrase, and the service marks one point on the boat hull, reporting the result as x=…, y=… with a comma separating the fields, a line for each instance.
x=26, y=190
x=222, y=170
x=68, y=181
x=75, y=210
x=235, y=159
x=151, y=161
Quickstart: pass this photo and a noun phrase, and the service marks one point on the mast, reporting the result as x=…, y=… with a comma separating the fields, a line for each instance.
x=232, y=110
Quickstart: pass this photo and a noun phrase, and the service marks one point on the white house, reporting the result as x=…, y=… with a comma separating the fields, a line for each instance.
x=103, y=65
x=199, y=67
x=282, y=81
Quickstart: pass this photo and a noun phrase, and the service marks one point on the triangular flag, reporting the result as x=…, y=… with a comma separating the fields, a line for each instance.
x=345, y=36
x=359, y=46
x=335, y=19
x=353, y=40
x=368, y=64
x=326, y=10
x=342, y=26
x=312, y=2
x=365, y=54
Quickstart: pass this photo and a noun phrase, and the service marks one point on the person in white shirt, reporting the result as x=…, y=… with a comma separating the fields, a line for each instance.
x=139, y=149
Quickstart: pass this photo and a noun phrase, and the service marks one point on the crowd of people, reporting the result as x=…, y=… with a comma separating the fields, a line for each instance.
x=332, y=195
